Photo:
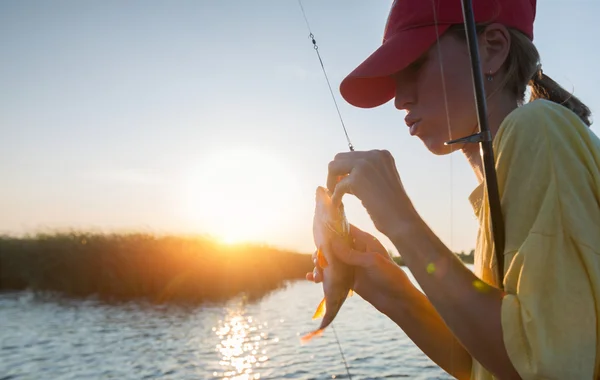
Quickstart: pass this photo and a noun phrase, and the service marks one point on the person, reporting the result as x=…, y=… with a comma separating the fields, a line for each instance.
x=541, y=320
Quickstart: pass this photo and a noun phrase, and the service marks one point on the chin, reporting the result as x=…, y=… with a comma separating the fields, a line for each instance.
x=437, y=146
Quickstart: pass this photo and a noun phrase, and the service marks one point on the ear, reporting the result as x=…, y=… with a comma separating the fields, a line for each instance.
x=494, y=48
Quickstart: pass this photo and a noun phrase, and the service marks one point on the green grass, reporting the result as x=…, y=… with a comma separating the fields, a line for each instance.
x=132, y=266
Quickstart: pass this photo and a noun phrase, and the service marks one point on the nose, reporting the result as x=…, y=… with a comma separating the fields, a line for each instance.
x=404, y=95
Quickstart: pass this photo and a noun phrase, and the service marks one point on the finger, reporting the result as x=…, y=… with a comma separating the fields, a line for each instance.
x=337, y=170
x=317, y=273
x=315, y=260
x=359, y=237
x=374, y=245
x=348, y=155
x=343, y=187
x=364, y=241
x=348, y=255
x=390, y=164
x=314, y=277
x=317, y=276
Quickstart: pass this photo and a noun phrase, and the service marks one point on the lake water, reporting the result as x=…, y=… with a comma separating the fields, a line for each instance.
x=43, y=338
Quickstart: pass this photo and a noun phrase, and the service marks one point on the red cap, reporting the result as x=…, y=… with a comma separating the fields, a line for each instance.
x=411, y=30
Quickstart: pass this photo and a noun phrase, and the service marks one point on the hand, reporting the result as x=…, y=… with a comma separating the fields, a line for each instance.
x=373, y=178
x=376, y=275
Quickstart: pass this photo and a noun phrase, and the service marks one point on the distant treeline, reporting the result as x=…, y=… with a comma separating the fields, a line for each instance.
x=159, y=269
x=144, y=266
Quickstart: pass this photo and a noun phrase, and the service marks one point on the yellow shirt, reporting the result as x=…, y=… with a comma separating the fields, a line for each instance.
x=548, y=169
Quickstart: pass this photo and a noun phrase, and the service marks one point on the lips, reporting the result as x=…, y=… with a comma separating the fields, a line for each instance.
x=412, y=123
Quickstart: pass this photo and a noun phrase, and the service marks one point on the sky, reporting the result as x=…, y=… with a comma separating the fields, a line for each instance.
x=214, y=117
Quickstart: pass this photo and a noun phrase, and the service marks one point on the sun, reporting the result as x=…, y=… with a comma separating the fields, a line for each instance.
x=238, y=195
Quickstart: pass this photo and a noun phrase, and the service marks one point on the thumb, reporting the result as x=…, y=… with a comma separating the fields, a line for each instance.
x=365, y=241
x=347, y=255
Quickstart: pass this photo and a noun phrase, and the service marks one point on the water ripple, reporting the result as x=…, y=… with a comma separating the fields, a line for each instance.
x=42, y=337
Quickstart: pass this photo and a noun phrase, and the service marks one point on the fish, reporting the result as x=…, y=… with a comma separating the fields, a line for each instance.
x=338, y=278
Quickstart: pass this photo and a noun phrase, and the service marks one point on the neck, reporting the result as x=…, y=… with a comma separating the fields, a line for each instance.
x=497, y=112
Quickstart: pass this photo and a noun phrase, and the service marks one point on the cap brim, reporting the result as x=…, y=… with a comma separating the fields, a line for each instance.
x=371, y=83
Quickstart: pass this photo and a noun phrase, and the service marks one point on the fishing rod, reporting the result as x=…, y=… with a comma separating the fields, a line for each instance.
x=484, y=136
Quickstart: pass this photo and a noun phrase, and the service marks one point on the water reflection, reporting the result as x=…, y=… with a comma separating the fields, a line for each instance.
x=242, y=345
x=46, y=339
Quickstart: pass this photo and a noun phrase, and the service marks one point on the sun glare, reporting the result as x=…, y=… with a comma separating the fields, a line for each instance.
x=238, y=195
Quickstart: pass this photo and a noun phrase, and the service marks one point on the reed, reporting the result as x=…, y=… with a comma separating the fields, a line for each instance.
x=181, y=269
x=144, y=266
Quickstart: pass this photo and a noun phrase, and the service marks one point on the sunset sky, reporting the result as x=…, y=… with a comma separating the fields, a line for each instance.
x=214, y=116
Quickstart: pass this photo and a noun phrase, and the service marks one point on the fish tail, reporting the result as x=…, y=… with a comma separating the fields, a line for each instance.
x=306, y=338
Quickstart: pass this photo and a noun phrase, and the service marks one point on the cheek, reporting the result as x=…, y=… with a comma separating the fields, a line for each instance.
x=459, y=99
x=431, y=94
x=437, y=101
x=445, y=102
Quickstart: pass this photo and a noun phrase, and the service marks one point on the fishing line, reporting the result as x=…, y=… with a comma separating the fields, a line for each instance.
x=483, y=137
x=341, y=352
x=314, y=42
x=441, y=61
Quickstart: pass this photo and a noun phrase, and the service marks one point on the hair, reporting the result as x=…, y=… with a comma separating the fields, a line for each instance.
x=523, y=68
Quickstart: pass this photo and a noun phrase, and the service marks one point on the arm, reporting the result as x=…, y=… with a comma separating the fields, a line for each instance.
x=386, y=286
x=470, y=308
x=545, y=325
x=410, y=309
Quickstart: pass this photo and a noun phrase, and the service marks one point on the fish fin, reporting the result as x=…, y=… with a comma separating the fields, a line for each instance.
x=350, y=293
x=320, y=312
x=306, y=338
x=321, y=258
